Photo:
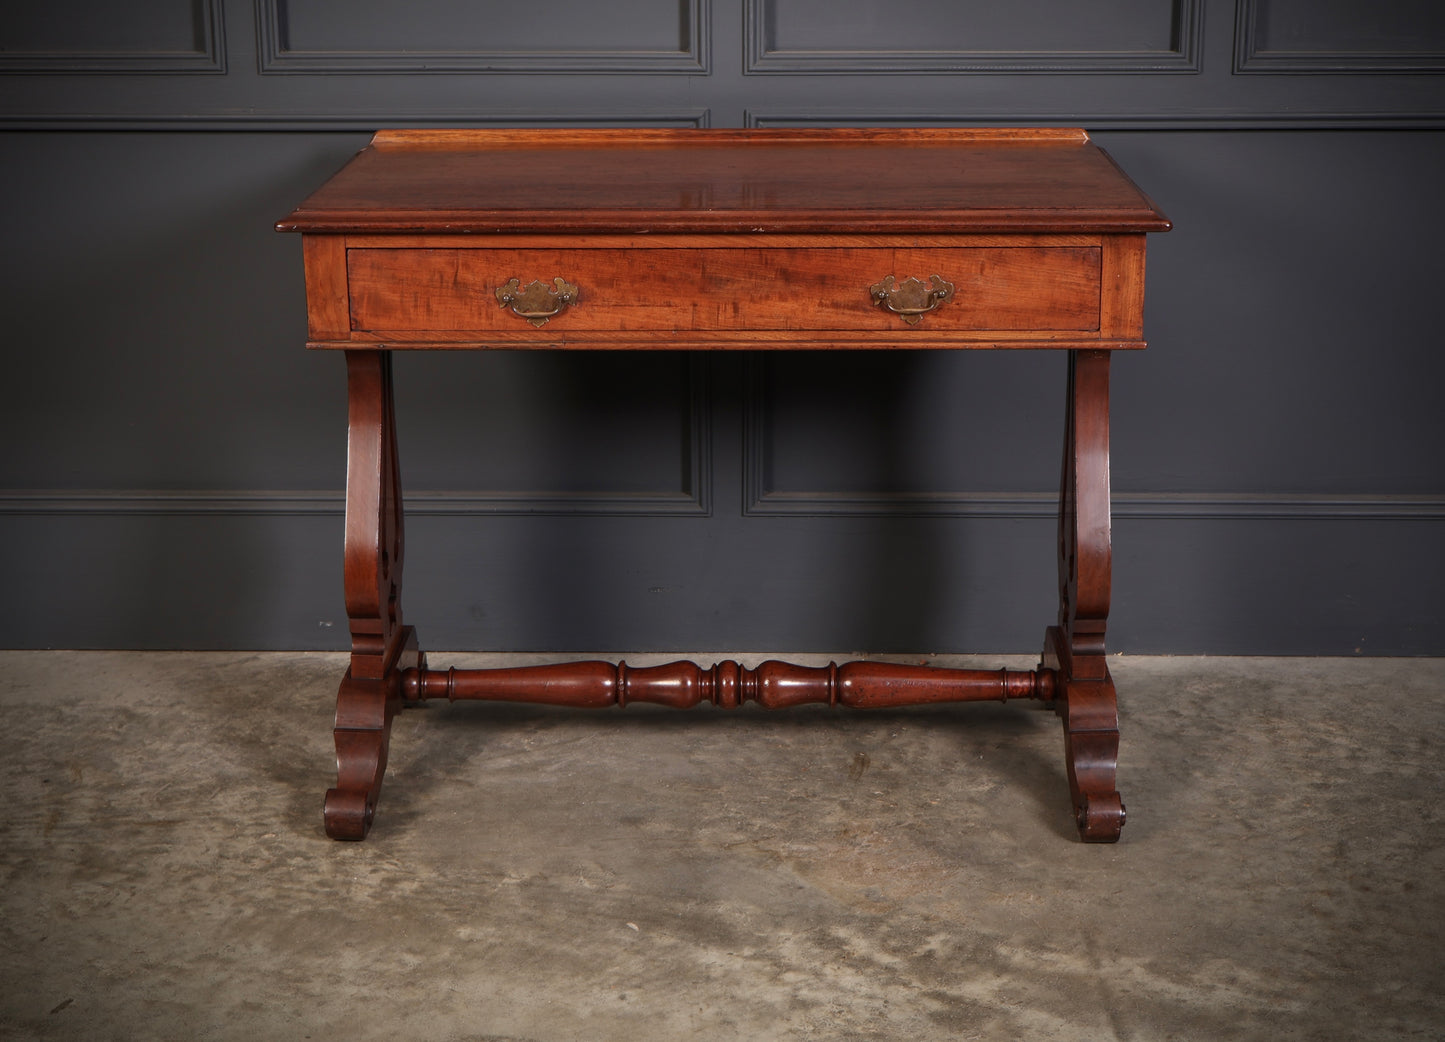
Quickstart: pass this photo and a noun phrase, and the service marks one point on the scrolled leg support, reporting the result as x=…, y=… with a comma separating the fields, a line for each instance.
x=1091, y=748
x=364, y=712
x=1076, y=646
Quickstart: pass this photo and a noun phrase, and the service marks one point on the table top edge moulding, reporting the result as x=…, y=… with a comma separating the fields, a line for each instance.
x=777, y=239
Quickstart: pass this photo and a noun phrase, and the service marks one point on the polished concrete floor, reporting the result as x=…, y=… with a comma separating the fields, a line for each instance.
x=645, y=874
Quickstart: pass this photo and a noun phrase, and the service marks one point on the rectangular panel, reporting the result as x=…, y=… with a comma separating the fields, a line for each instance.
x=82, y=36
x=326, y=300
x=1015, y=289
x=547, y=433
x=973, y=35
x=463, y=36
x=903, y=433
x=1341, y=36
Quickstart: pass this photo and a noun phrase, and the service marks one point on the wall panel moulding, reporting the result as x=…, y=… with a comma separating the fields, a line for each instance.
x=426, y=36
x=322, y=121
x=1310, y=37
x=973, y=36
x=681, y=486
x=84, y=37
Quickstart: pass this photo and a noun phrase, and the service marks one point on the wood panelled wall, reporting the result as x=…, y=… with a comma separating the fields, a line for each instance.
x=174, y=458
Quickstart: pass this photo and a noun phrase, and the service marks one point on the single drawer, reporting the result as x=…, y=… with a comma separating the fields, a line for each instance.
x=1004, y=288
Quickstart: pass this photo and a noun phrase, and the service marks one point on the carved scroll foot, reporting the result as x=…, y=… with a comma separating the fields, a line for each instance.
x=1089, y=708
x=1101, y=818
x=348, y=813
x=1092, y=757
x=364, y=710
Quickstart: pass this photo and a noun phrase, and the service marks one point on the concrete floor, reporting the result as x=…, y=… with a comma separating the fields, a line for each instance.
x=550, y=875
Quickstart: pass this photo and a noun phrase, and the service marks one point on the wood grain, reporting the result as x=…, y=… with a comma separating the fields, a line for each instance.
x=671, y=137
x=1121, y=305
x=655, y=182
x=729, y=684
x=326, y=291
x=917, y=339
x=1027, y=288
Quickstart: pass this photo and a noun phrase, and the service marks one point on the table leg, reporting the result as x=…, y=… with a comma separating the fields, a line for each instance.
x=385, y=656
x=1075, y=647
x=381, y=647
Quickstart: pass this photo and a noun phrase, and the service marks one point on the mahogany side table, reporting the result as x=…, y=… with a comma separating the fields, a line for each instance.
x=725, y=240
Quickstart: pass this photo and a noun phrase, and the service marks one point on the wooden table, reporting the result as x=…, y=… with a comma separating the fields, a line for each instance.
x=724, y=240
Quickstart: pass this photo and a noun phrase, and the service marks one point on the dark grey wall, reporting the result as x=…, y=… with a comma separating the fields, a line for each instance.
x=174, y=458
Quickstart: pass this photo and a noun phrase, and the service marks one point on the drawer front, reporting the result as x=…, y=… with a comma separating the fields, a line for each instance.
x=1013, y=288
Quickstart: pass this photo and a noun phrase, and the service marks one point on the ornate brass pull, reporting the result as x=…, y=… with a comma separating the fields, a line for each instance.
x=910, y=299
x=538, y=301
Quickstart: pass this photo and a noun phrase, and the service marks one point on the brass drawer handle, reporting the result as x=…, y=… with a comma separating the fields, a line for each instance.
x=538, y=301
x=910, y=299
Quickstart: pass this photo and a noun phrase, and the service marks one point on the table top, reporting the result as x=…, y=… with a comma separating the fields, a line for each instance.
x=827, y=181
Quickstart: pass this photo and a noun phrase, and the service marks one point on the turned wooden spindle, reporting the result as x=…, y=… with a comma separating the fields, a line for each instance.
x=728, y=684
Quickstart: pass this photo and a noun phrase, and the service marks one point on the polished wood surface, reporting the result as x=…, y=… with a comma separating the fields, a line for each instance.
x=381, y=647
x=839, y=180
x=762, y=240
x=719, y=292
x=729, y=685
x=1019, y=289
x=714, y=293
